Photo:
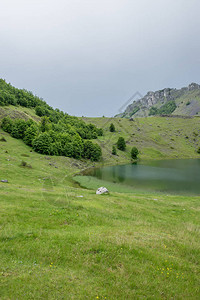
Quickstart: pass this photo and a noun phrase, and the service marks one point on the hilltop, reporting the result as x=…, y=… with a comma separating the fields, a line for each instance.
x=181, y=102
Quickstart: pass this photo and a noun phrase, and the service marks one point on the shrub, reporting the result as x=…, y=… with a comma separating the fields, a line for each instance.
x=134, y=153
x=198, y=150
x=3, y=139
x=100, y=131
x=121, y=144
x=7, y=124
x=114, y=150
x=25, y=164
x=112, y=127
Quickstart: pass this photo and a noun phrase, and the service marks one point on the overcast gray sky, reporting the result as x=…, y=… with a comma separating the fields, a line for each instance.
x=87, y=57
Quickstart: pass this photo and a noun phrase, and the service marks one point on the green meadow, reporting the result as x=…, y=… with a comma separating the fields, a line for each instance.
x=60, y=241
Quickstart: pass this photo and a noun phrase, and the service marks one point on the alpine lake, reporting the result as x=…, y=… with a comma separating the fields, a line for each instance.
x=179, y=176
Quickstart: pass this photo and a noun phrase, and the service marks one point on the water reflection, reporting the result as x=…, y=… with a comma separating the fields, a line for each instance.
x=176, y=176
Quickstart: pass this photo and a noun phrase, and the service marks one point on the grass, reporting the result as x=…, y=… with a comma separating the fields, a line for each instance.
x=155, y=137
x=60, y=241
x=17, y=112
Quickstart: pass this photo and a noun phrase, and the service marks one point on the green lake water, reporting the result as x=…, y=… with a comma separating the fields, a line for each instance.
x=169, y=176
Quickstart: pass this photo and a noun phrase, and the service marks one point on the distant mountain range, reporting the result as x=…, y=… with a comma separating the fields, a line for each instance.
x=182, y=102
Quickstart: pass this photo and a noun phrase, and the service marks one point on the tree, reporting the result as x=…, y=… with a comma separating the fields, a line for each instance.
x=121, y=144
x=112, y=127
x=45, y=124
x=39, y=110
x=114, y=150
x=100, y=131
x=92, y=151
x=77, y=146
x=7, y=124
x=30, y=134
x=134, y=152
x=19, y=128
x=42, y=143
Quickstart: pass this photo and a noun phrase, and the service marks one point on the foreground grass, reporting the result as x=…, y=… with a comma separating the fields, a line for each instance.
x=59, y=241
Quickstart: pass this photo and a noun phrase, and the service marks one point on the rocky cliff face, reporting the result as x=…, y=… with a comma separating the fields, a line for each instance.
x=186, y=101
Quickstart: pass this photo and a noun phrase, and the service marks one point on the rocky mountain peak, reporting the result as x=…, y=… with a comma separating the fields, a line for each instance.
x=193, y=86
x=186, y=101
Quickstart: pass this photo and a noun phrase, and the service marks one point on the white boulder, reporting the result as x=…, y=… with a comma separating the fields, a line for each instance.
x=101, y=190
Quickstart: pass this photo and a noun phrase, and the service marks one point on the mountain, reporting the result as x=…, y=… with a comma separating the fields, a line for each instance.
x=182, y=102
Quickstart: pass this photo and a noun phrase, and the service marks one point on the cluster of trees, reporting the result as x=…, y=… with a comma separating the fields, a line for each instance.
x=54, y=139
x=166, y=109
x=57, y=134
x=10, y=95
x=121, y=145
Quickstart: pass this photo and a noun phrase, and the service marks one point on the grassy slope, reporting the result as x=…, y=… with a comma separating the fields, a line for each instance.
x=155, y=137
x=193, y=108
x=15, y=112
x=55, y=244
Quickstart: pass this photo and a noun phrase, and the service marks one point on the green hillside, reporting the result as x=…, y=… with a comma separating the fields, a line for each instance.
x=61, y=241
x=155, y=137
x=56, y=133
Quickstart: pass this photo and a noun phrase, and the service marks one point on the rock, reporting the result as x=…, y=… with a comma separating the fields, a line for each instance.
x=141, y=107
x=4, y=180
x=47, y=157
x=101, y=190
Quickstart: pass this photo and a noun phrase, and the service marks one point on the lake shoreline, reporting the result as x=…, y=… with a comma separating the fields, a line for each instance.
x=175, y=183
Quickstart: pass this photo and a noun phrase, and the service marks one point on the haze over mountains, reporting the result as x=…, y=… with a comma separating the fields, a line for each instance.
x=183, y=102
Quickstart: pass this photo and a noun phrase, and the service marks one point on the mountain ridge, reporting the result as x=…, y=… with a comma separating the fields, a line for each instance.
x=184, y=101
